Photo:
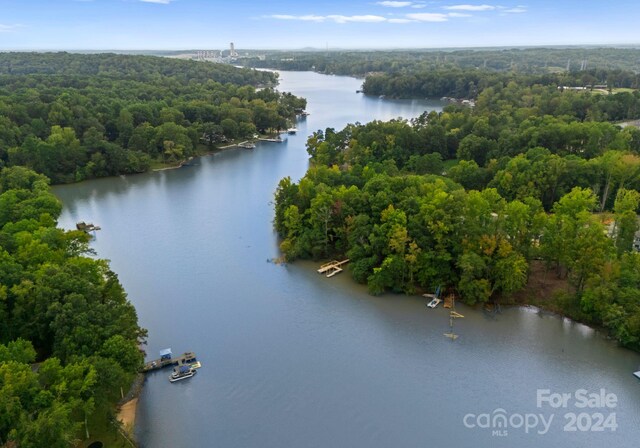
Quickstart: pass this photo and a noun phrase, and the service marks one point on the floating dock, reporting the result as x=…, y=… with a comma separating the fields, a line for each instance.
x=332, y=268
x=167, y=359
x=87, y=227
x=273, y=140
x=449, y=302
x=246, y=145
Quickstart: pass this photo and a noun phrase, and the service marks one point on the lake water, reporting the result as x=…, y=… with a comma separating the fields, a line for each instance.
x=293, y=359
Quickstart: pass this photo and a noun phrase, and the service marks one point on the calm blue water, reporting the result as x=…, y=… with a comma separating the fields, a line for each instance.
x=292, y=359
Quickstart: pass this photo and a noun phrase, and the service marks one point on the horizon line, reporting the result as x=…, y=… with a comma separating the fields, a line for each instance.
x=309, y=48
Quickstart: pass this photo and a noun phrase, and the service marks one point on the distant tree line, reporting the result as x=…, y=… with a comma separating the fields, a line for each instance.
x=513, y=60
x=470, y=82
x=72, y=116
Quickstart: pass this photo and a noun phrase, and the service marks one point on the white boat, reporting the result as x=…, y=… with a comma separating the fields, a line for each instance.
x=292, y=131
x=637, y=374
x=434, y=303
x=182, y=373
x=246, y=145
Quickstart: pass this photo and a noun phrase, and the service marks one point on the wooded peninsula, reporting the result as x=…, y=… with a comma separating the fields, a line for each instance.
x=529, y=182
x=74, y=116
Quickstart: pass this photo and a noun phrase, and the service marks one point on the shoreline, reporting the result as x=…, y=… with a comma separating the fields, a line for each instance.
x=128, y=406
x=537, y=306
x=196, y=156
x=127, y=416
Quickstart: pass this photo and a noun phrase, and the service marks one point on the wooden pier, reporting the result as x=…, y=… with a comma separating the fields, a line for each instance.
x=272, y=140
x=187, y=358
x=247, y=144
x=332, y=268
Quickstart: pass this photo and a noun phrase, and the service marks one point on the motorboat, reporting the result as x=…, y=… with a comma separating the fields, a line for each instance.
x=182, y=373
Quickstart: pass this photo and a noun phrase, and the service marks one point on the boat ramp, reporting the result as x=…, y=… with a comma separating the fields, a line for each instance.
x=332, y=268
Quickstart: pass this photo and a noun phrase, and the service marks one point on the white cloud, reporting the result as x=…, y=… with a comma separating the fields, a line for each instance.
x=400, y=20
x=337, y=18
x=428, y=17
x=470, y=7
x=518, y=10
x=161, y=2
x=9, y=28
x=372, y=18
x=397, y=4
x=365, y=18
x=307, y=18
x=391, y=4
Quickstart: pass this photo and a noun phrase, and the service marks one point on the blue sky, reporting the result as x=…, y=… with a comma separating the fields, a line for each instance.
x=202, y=24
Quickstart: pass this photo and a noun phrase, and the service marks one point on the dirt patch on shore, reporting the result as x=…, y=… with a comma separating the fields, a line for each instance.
x=129, y=403
x=542, y=288
x=127, y=415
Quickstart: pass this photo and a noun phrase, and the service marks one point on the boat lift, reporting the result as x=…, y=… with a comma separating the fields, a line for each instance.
x=453, y=314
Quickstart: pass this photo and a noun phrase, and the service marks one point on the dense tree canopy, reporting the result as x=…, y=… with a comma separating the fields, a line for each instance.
x=468, y=83
x=73, y=117
x=529, y=60
x=63, y=309
x=469, y=198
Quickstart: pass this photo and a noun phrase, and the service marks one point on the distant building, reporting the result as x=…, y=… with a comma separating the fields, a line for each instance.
x=232, y=51
x=571, y=88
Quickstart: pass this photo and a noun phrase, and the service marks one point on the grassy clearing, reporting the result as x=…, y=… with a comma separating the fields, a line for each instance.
x=622, y=89
x=100, y=429
x=448, y=164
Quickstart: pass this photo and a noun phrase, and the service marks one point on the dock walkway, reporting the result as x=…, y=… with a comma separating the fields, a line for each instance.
x=185, y=358
x=273, y=140
x=332, y=268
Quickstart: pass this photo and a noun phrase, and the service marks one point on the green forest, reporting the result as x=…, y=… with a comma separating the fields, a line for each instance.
x=69, y=338
x=468, y=83
x=465, y=73
x=528, y=184
x=513, y=60
x=74, y=116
